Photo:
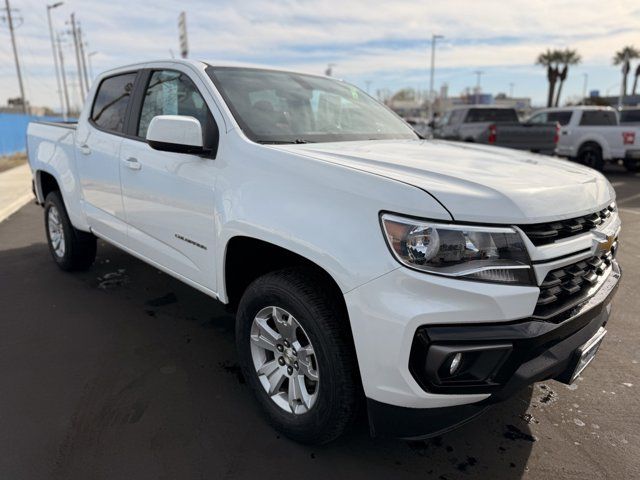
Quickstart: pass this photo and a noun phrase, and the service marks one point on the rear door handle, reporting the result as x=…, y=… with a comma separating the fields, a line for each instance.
x=84, y=149
x=132, y=163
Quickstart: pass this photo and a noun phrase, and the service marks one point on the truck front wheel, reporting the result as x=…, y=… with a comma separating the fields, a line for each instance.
x=296, y=354
x=71, y=249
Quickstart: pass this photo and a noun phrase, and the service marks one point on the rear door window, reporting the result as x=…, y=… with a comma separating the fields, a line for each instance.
x=480, y=115
x=110, y=106
x=630, y=116
x=562, y=118
x=592, y=118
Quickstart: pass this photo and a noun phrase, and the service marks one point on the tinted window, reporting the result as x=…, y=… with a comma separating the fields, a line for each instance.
x=630, y=116
x=111, y=102
x=598, y=118
x=173, y=93
x=477, y=115
x=456, y=117
x=561, y=117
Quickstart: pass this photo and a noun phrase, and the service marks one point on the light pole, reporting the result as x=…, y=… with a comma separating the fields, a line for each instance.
x=584, y=87
x=434, y=38
x=479, y=74
x=511, y=89
x=63, y=76
x=55, y=57
x=91, y=54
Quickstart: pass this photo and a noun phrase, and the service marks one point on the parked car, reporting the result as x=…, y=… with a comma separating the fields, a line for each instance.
x=430, y=278
x=420, y=125
x=630, y=116
x=593, y=136
x=497, y=126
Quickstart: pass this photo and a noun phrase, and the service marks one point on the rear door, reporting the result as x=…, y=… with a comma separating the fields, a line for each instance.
x=169, y=197
x=98, y=141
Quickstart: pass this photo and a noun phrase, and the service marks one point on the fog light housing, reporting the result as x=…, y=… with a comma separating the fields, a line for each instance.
x=457, y=367
x=456, y=360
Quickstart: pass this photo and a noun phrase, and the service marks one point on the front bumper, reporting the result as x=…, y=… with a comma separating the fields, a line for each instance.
x=400, y=404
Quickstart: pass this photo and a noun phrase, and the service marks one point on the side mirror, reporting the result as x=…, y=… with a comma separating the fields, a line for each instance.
x=176, y=133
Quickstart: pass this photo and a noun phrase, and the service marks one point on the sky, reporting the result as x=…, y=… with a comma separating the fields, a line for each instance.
x=385, y=45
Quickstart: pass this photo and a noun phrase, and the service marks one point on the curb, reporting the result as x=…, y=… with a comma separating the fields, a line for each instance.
x=14, y=206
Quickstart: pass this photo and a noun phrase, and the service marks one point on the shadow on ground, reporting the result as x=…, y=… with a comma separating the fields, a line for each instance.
x=124, y=372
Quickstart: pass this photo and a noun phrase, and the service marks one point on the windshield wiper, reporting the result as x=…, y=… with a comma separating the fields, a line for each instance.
x=283, y=142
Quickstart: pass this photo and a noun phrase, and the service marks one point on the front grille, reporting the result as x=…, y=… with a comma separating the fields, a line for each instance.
x=544, y=233
x=568, y=286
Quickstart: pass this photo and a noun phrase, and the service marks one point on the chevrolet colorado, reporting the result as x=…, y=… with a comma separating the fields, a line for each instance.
x=421, y=280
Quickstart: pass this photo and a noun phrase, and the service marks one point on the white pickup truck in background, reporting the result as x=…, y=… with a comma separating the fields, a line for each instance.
x=593, y=136
x=423, y=279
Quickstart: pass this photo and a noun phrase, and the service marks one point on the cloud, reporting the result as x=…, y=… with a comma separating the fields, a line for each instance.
x=385, y=41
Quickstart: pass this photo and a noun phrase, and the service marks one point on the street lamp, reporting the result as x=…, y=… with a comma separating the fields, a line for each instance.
x=55, y=57
x=434, y=38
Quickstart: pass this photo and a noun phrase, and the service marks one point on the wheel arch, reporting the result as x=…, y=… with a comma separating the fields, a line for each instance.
x=595, y=142
x=246, y=258
x=45, y=184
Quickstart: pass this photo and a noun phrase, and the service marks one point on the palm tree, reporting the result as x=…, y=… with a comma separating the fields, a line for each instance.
x=566, y=57
x=635, y=80
x=550, y=60
x=624, y=57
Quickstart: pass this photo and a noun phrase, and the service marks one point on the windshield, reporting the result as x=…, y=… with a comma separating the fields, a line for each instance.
x=284, y=107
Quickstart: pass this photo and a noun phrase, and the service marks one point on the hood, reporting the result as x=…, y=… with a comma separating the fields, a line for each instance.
x=473, y=182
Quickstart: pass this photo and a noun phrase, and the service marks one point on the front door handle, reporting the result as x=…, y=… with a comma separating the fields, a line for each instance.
x=84, y=149
x=132, y=163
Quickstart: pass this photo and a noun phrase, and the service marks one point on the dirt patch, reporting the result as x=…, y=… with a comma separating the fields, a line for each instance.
x=10, y=161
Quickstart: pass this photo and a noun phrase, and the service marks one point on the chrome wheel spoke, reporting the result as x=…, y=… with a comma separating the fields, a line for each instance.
x=268, y=368
x=285, y=323
x=276, y=379
x=306, y=365
x=266, y=337
x=298, y=393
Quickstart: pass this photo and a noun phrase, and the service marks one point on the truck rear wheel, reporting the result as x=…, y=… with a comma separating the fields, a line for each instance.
x=71, y=249
x=591, y=156
x=632, y=164
x=296, y=354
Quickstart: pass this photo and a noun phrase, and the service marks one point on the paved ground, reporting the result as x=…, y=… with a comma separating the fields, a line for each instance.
x=15, y=189
x=123, y=372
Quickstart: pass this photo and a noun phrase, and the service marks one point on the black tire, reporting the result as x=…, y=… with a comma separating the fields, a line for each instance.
x=632, y=164
x=79, y=247
x=591, y=156
x=306, y=296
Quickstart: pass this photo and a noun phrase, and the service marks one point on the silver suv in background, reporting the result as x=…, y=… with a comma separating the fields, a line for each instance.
x=499, y=126
x=593, y=135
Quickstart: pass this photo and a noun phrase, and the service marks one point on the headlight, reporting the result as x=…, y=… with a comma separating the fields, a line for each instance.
x=464, y=251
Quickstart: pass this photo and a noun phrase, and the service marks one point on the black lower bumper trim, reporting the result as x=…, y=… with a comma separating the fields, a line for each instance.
x=418, y=423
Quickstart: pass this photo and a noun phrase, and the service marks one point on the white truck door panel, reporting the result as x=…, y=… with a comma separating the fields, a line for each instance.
x=169, y=197
x=169, y=202
x=98, y=144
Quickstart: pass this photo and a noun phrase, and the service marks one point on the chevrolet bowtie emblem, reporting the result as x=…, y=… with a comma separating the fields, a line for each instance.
x=606, y=244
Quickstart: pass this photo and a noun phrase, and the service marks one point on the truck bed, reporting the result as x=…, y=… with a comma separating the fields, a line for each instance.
x=540, y=138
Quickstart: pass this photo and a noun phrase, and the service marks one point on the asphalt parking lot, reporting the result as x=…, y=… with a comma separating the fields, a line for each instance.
x=123, y=372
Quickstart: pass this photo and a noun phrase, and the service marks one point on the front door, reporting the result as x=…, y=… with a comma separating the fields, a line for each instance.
x=169, y=197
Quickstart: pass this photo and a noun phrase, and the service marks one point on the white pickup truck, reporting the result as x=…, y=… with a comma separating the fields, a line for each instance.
x=421, y=280
x=593, y=136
